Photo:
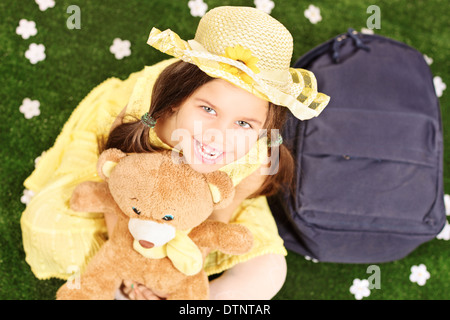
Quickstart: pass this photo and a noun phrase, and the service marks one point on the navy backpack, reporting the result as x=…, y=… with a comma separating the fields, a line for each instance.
x=369, y=176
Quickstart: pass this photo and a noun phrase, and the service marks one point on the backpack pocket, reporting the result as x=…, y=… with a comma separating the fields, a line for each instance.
x=371, y=176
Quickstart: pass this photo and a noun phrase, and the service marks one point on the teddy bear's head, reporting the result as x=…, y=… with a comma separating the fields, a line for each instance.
x=161, y=195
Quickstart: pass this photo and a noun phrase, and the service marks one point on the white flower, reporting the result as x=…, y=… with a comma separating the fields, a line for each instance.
x=120, y=48
x=27, y=195
x=264, y=5
x=313, y=14
x=360, y=288
x=30, y=108
x=367, y=31
x=447, y=204
x=419, y=274
x=45, y=4
x=26, y=28
x=35, y=53
x=311, y=259
x=198, y=8
x=428, y=60
x=445, y=232
x=439, y=86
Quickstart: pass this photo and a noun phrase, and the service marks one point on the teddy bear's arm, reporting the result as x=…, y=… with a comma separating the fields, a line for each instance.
x=227, y=238
x=93, y=196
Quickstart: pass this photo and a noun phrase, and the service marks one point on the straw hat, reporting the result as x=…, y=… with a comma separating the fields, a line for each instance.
x=253, y=51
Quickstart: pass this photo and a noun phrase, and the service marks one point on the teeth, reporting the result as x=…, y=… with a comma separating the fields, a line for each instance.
x=207, y=152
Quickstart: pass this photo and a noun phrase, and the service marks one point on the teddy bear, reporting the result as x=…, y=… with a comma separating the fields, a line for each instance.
x=162, y=235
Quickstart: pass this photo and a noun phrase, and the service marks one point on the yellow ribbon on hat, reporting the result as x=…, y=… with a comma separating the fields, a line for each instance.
x=302, y=100
x=181, y=250
x=279, y=76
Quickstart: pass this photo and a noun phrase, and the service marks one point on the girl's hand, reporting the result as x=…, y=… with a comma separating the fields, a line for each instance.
x=136, y=291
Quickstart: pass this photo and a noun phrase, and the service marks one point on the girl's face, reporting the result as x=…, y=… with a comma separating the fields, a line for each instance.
x=217, y=124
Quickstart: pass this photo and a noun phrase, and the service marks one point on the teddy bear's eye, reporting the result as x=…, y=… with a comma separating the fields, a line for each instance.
x=168, y=217
x=136, y=210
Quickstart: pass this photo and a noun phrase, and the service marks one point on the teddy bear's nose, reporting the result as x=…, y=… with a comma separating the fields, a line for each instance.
x=146, y=244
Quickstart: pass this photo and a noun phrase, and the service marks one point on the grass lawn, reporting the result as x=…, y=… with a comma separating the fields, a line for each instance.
x=79, y=59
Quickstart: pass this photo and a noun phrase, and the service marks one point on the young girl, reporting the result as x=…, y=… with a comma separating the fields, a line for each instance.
x=216, y=105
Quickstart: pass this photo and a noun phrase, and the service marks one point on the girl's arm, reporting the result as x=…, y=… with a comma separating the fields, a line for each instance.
x=259, y=278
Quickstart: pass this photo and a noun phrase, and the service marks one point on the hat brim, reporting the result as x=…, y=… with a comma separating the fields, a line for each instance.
x=295, y=89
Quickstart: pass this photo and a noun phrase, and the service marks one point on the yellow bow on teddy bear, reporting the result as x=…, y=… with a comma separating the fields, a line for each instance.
x=181, y=250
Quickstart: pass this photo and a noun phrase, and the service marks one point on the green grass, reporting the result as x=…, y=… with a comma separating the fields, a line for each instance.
x=78, y=60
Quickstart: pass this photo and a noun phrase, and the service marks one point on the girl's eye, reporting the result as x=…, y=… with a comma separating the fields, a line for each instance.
x=168, y=217
x=244, y=124
x=209, y=110
x=136, y=210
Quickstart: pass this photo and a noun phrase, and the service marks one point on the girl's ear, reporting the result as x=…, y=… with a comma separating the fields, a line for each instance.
x=222, y=189
x=107, y=160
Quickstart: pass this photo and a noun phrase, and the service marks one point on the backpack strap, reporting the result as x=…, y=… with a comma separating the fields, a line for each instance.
x=351, y=34
x=334, y=46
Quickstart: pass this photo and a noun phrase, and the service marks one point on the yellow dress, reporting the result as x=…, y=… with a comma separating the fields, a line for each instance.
x=58, y=241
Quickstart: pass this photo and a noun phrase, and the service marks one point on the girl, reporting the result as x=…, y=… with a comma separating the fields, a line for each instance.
x=216, y=106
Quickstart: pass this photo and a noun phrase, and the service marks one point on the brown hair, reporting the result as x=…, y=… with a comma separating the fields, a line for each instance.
x=282, y=177
x=173, y=86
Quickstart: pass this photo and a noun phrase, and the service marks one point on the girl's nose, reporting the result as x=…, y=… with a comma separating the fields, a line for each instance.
x=214, y=136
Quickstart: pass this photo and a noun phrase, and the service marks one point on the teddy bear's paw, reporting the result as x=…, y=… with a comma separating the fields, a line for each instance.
x=236, y=240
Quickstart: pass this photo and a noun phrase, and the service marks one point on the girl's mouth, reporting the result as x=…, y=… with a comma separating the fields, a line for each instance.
x=207, y=154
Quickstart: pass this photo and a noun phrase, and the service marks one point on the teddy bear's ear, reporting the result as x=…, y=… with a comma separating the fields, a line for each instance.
x=222, y=189
x=107, y=160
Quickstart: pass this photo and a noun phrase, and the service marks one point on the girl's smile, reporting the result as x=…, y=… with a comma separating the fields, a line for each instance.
x=207, y=154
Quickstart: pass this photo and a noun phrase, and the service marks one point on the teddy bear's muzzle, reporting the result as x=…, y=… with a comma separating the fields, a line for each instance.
x=150, y=234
